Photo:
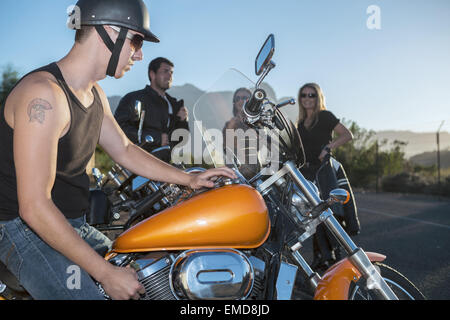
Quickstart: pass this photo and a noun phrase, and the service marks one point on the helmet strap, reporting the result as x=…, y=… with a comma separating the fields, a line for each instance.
x=115, y=48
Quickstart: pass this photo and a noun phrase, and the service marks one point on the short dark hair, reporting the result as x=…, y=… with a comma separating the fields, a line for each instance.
x=155, y=64
x=82, y=33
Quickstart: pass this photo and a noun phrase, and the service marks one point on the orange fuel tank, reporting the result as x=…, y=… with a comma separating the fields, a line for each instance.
x=233, y=216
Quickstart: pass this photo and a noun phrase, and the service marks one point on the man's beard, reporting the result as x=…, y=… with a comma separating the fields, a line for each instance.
x=164, y=85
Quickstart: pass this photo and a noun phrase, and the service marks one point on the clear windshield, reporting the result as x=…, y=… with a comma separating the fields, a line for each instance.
x=227, y=139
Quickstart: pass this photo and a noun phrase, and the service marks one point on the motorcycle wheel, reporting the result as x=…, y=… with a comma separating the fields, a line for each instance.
x=402, y=287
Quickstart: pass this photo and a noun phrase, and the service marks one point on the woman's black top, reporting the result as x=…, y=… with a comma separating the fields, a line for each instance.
x=317, y=137
x=70, y=191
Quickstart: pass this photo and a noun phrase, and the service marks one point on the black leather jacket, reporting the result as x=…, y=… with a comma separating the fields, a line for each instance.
x=156, y=120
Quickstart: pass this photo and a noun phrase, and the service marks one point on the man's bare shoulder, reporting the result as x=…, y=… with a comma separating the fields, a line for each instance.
x=38, y=83
x=36, y=95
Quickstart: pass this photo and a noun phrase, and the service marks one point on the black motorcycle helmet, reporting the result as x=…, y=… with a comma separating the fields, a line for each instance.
x=126, y=14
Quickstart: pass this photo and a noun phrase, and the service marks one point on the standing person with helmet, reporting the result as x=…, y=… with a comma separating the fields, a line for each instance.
x=316, y=126
x=163, y=113
x=49, y=128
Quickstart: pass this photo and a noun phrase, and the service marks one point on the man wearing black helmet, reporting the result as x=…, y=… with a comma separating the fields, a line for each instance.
x=49, y=128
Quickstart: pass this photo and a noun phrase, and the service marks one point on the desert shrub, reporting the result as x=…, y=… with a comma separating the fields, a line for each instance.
x=404, y=182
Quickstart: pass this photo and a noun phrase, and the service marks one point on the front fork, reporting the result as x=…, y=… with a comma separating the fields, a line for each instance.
x=357, y=256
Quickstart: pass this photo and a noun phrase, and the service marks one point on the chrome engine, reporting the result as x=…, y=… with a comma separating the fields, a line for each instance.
x=207, y=274
x=154, y=278
x=212, y=274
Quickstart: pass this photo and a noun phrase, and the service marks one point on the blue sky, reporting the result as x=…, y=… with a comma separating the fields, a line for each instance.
x=395, y=77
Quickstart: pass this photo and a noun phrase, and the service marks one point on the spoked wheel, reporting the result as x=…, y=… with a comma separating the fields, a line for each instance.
x=400, y=285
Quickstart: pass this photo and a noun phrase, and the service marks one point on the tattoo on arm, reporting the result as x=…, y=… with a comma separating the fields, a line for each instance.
x=37, y=108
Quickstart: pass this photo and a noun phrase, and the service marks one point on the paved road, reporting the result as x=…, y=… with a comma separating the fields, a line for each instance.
x=413, y=231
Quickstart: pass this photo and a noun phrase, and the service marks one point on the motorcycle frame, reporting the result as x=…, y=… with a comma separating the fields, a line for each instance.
x=273, y=247
x=357, y=258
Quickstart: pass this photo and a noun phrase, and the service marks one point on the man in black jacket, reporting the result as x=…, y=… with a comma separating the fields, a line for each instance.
x=163, y=113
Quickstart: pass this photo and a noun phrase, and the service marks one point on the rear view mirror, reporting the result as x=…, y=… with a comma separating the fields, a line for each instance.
x=265, y=54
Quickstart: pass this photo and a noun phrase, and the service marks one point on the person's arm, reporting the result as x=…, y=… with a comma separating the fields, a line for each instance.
x=126, y=118
x=140, y=162
x=343, y=136
x=181, y=119
x=41, y=116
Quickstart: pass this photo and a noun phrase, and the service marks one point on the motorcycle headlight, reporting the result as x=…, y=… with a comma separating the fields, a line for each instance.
x=300, y=205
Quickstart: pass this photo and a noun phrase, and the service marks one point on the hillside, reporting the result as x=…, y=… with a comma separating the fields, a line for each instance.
x=416, y=143
x=430, y=158
x=114, y=102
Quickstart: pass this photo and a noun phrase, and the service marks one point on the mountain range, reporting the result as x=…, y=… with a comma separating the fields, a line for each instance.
x=416, y=143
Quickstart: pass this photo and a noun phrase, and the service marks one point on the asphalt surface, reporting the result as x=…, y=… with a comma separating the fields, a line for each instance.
x=413, y=231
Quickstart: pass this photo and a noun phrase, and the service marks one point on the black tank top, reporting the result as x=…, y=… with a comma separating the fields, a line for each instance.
x=70, y=192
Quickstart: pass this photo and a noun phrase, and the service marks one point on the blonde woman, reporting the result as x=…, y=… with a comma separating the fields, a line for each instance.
x=316, y=126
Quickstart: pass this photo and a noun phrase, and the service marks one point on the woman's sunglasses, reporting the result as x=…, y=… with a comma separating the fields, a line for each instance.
x=309, y=95
x=136, y=40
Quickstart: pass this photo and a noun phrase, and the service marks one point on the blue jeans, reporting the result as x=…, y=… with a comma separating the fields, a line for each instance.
x=44, y=272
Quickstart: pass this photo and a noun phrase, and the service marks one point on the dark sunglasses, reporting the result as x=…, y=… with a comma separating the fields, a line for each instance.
x=136, y=41
x=239, y=98
x=309, y=95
